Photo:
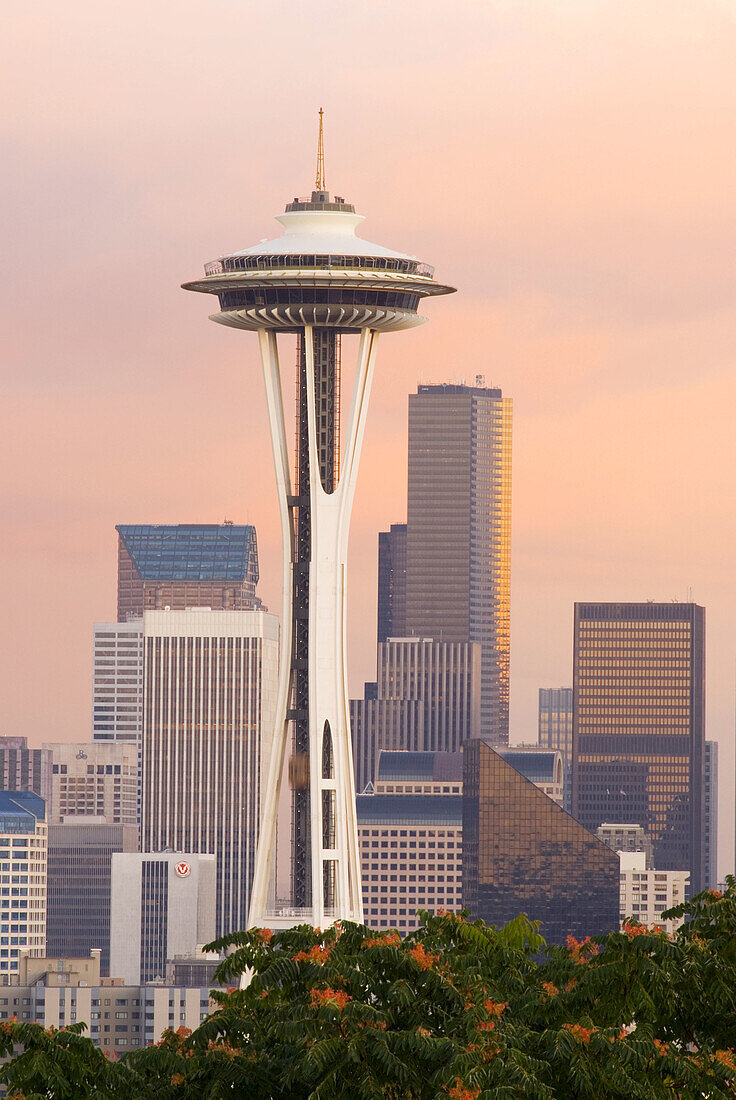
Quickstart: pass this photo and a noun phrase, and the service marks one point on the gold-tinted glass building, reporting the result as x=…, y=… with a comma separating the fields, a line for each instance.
x=458, y=531
x=522, y=853
x=638, y=725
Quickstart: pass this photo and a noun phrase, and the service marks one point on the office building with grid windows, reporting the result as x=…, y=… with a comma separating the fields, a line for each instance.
x=163, y=904
x=56, y=992
x=210, y=683
x=427, y=699
x=186, y=565
x=117, y=681
x=410, y=838
x=647, y=893
x=23, y=856
x=458, y=535
x=555, y=723
x=24, y=769
x=95, y=780
x=522, y=853
x=79, y=884
x=638, y=726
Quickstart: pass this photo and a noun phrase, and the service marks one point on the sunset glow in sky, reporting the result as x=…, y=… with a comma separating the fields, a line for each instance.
x=569, y=165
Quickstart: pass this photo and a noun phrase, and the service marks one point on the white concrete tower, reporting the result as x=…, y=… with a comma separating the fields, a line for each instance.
x=318, y=281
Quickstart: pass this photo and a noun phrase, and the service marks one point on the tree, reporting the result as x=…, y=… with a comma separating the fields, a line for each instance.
x=457, y=1010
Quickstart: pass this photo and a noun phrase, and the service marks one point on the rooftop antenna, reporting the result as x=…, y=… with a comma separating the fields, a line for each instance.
x=319, y=183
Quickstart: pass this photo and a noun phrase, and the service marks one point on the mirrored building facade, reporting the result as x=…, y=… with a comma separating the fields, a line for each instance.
x=638, y=726
x=522, y=853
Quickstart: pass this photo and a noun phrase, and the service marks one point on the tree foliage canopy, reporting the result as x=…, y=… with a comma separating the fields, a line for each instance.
x=458, y=1010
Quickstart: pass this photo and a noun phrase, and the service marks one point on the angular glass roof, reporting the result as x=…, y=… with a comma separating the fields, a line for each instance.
x=191, y=551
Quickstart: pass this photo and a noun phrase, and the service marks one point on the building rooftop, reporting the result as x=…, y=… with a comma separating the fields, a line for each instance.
x=538, y=767
x=420, y=766
x=409, y=809
x=191, y=551
x=19, y=811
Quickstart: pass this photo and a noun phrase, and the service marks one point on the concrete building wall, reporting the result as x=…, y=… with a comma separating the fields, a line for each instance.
x=92, y=779
x=181, y=919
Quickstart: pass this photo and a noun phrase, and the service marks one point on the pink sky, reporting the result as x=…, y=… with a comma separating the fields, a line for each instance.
x=570, y=167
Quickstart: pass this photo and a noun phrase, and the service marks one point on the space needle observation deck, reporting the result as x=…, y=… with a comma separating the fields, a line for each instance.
x=320, y=281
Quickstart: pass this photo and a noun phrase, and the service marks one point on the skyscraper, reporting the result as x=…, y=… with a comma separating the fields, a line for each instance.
x=522, y=853
x=79, y=870
x=23, y=855
x=24, y=769
x=555, y=722
x=392, y=582
x=428, y=700
x=710, y=814
x=319, y=281
x=638, y=741
x=117, y=681
x=186, y=565
x=459, y=531
x=208, y=722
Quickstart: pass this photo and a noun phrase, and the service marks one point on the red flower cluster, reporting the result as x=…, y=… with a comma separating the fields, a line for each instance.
x=458, y=1091
x=496, y=1008
x=264, y=934
x=337, y=998
x=391, y=939
x=582, y=1034
x=550, y=989
x=661, y=1048
x=315, y=954
x=633, y=929
x=581, y=950
x=425, y=960
x=726, y=1058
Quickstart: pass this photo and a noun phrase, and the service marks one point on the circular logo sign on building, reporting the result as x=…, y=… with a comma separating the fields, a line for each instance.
x=183, y=869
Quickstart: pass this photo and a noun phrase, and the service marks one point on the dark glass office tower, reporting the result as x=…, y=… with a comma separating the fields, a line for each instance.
x=392, y=582
x=458, y=531
x=638, y=725
x=522, y=853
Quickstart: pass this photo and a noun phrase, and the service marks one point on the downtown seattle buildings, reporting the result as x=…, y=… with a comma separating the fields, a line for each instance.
x=458, y=533
x=638, y=727
x=23, y=866
x=318, y=281
x=210, y=709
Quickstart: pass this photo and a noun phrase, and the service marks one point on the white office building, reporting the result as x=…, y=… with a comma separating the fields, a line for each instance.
x=646, y=894
x=23, y=861
x=117, y=681
x=210, y=682
x=162, y=904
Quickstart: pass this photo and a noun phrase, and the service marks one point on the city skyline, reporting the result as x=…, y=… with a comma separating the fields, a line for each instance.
x=608, y=327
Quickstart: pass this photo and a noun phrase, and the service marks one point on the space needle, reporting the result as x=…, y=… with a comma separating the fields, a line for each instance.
x=319, y=281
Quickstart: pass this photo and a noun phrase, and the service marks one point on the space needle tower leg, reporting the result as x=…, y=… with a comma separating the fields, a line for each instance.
x=334, y=884
x=271, y=791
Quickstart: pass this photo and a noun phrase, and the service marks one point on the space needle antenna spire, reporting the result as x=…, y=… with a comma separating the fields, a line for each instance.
x=319, y=183
x=318, y=281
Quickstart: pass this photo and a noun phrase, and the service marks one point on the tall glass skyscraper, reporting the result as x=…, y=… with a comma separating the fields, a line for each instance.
x=459, y=531
x=638, y=725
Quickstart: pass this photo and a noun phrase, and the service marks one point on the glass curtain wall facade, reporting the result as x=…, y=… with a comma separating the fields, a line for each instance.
x=186, y=565
x=711, y=815
x=522, y=853
x=459, y=531
x=392, y=582
x=79, y=878
x=638, y=725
